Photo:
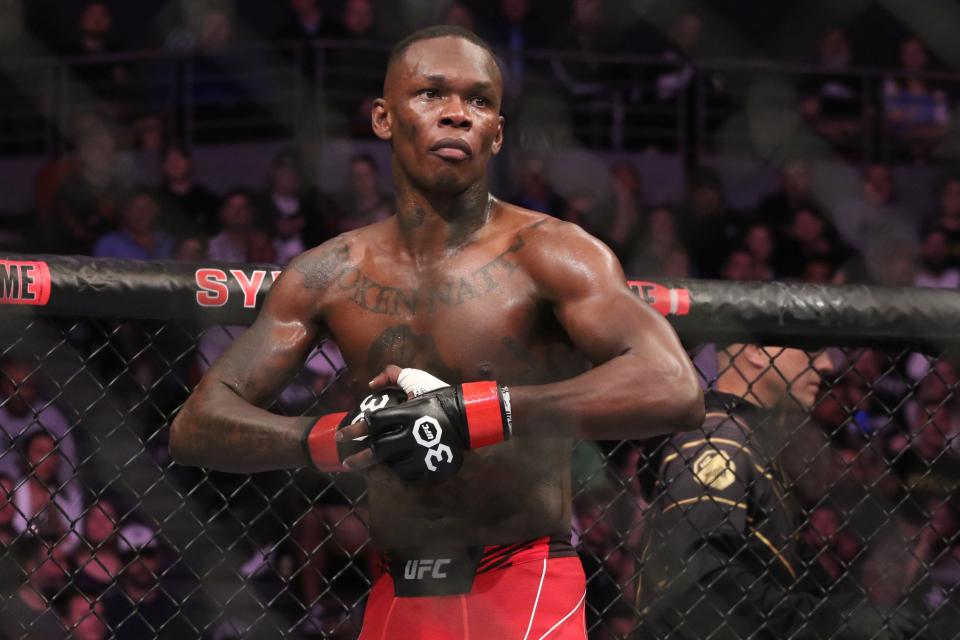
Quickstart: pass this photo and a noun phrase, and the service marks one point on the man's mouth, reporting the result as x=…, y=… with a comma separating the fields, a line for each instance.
x=451, y=149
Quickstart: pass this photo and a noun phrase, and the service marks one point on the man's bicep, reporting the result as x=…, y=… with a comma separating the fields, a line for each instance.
x=265, y=357
x=610, y=320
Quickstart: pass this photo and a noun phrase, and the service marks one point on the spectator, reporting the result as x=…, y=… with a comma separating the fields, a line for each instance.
x=927, y=466
x=935, y=557
x=148, y=134
x=948, y=215
x=833, y=102
x=96, y=562
x=307, y=22
x=142, y=599
x=24, y=411
x=709, y=229
x=138, y=237
x=807, y=235
x=188, y=207
x=605, y=560
x=795, y=193
x=29, y=612
x=93, y=38
x=237, y=217
x=362, y=202
x=87, y=201
x=7, y=510
x=659, y=243
x=818, y=269
x=513, y=32
x=228, y=82
x=623, y=226
x=827, y=548
x=458, y=15
x=328, y=538
x=681, y=48
x=875, y=209
x=916, y=114
x=677, y=264
x=534, y=190
x=282, y=207
x=83, y=618
x=739, y=266
x=586, y=80
x=353, y=75
x=935, y=269
x=46, y=508
x=190, y=249
x=760, y=244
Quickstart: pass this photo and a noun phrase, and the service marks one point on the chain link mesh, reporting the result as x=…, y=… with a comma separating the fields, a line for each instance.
x=102, y=533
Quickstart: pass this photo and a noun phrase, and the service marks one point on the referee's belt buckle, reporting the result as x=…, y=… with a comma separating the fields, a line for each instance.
x=419, y=572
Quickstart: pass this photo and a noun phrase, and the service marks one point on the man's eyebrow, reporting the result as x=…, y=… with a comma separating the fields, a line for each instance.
x=440, y=79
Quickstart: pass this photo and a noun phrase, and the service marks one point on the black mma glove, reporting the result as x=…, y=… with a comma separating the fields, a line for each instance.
x=424, y=439
x=323, y=451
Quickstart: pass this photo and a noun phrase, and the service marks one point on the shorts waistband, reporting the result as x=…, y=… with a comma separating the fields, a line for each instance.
x=500, y=556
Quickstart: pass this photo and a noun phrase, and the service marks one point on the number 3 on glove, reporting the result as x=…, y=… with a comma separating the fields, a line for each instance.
x=424, y=439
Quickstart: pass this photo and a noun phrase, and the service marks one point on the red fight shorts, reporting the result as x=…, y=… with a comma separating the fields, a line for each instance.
x=529, y=591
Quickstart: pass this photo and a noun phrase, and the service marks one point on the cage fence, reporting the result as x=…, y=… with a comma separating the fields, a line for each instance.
x=852, y=495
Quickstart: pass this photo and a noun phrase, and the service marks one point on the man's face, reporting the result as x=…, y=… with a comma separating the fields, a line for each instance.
x=935, y=250
x=176, y=165
x=236, y=213
x=141, y=213
x=794, y=376
x=86, y=619
x=950, y=199
x=95, y=20
x=363, y=178
x=441, y=111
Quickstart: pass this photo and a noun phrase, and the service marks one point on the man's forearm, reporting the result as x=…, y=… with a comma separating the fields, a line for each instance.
x=218, y=429
x=620, y=399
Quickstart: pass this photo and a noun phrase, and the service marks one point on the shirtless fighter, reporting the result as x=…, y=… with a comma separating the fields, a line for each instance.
x=469, y=485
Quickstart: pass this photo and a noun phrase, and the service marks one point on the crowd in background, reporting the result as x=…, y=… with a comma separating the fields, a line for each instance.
x=877, y=462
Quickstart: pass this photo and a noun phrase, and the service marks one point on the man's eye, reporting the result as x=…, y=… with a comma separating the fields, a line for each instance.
x=430, y=93
x=480, y=101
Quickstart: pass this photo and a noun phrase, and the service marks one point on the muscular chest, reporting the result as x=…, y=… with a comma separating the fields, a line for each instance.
x=473, y=319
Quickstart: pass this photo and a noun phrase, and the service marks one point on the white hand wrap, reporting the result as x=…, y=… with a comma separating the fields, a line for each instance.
x=417, y=382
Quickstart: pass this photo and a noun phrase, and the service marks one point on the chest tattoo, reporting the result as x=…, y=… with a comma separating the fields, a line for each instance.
x=375, y=297
x=401, y=346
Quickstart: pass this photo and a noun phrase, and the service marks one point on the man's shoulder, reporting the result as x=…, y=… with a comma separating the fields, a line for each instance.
x=544, y=237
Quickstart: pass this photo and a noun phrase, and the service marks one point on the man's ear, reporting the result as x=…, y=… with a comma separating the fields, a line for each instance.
x=498, y=141
x=380, y=120
x=757, y=356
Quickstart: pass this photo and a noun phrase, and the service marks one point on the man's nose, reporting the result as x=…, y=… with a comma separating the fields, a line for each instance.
x=455, y=114
x=822, y=363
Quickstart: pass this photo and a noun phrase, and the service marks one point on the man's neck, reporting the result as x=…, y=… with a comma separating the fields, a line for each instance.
x=733, y=384
x=432, y=226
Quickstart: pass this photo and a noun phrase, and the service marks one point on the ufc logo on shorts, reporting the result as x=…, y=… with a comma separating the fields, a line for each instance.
x=427, y=433
x=417, y=569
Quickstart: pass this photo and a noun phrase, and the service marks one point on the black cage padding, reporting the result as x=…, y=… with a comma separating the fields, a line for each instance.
x=701, y=310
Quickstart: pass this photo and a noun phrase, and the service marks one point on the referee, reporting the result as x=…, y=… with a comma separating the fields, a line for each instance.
x=719, y=556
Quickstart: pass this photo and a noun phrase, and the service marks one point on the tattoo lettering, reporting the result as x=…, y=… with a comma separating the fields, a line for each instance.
x=383, y=299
